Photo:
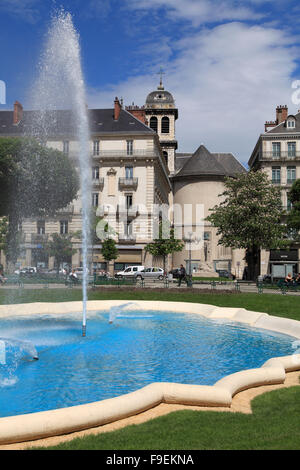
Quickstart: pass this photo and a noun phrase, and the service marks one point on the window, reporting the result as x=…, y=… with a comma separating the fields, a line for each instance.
x=66, y=147
x=291, y=149
x=95, y=199
x=289, y=204
x=96, y=147
x=41, y=227
x=95, y=172
x=291, y=123
x=291, y=174
x=129, y=147
x=128, y=228
x=165, y=154
x=153, y=123
x=128, y=171
x=165, y=125
x=276, y=174
x=206, y=236
x=64, y=227
x=276, y=149
x=128, y=201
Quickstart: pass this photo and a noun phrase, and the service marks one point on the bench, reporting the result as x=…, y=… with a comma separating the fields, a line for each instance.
x=285, y=287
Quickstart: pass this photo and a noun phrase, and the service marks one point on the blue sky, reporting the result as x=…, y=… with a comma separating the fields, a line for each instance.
x=227, y=63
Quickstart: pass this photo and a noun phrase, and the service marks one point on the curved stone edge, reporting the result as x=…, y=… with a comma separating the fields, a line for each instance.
x=44, y=424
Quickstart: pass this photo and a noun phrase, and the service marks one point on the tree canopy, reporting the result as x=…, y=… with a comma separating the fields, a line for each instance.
x=293, y=219
x=249, y=215
x=165, y=244
x=35, y=181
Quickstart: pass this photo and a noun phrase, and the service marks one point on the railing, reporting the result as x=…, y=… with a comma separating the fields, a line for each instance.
x=127, y=239
x=279, y=155
x=128, y=182
x=99, y=182
x=39, y=238
x=132, y=211
x=125, y=153
x=69, y=209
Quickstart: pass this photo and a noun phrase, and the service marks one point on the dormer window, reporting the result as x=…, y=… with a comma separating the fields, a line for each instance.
x=291, y=123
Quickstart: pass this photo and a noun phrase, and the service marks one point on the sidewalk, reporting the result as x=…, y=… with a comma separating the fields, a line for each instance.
x=230, y=286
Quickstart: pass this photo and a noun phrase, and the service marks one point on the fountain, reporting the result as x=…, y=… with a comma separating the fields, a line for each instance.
x=118, y=310
x=60, y=85
x=12, y=353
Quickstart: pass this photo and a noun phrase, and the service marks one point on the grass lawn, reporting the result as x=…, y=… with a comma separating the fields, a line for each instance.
x=274, y=423
x=275, y=304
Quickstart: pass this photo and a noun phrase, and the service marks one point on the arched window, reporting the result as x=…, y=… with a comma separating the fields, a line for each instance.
x=153, y=123
x=165, y=154
x=165, y=125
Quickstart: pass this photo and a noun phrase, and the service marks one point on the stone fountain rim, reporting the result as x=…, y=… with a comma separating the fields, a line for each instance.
x=56, y=422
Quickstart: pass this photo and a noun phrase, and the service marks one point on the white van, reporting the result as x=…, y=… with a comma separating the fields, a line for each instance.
x=130, y=271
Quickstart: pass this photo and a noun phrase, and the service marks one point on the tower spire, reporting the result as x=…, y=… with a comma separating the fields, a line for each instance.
x=161, y=73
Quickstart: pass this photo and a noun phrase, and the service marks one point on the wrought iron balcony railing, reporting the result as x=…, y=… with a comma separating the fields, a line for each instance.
x=280, y=155
x=128, y=183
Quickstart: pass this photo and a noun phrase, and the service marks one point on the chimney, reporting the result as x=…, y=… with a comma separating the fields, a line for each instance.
x=281, y=114
x=18, y=112
x=117, y=109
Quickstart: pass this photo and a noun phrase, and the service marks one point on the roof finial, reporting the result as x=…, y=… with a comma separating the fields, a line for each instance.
x=161, y=73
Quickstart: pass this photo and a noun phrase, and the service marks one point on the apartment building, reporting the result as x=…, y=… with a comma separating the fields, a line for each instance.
x=277, y=152
x=129, y=178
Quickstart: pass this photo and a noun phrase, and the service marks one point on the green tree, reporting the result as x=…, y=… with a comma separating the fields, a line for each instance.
x=249, y=217
x=293, y=218
x=61, y=248
x=35, y=181
x=109, y=250
x=165, y=244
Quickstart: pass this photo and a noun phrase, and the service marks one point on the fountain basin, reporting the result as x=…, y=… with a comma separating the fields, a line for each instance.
x=60, y=421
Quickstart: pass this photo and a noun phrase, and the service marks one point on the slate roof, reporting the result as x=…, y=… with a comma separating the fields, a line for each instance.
x=204, y=163
x=62, y=122
x=282, y=128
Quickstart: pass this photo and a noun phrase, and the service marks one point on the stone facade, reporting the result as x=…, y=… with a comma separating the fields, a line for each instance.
x=277, y=153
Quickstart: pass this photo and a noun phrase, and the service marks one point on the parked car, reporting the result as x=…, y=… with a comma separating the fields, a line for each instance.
x=28, y=271
x=227, y=274
x=129, y=272
x=79, y=272
x=150, y=273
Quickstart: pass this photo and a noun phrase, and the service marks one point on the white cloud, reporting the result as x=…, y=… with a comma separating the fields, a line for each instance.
x=199, y=12
x=27, y=10
x=226, y=82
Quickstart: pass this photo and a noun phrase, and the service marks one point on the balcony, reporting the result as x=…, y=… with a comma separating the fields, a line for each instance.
x=68, y=210
x=128, y=212
x=39, y=238
x=98, y=182
x=121, y=153
x=127, y=239
x=128, y=183
x=288, y=156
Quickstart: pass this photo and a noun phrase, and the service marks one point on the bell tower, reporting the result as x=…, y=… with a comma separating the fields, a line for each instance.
x=161, y=114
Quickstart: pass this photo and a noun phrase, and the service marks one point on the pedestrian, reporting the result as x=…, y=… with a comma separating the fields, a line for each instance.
x=182, y=275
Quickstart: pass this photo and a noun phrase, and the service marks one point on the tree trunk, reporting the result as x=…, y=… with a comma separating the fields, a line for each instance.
x=253, y=262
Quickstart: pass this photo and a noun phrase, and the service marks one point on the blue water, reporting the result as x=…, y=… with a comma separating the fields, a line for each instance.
x=137, y=349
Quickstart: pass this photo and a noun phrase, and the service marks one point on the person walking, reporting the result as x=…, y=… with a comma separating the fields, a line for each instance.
x=182, y=275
